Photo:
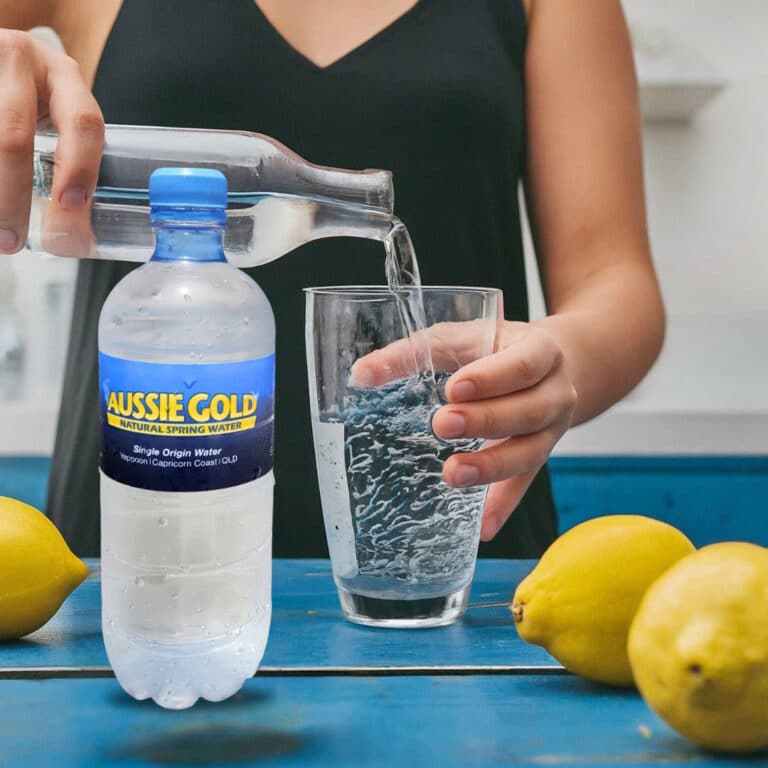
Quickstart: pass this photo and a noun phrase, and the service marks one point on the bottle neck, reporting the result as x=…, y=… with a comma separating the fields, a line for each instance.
x=183, y=241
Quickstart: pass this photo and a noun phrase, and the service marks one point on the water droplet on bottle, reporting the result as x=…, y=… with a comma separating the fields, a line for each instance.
x=174, y=595
x=130, y=606
x=187, y=298
x=117, y=321
x=139, y=582
x=203, y=627
x=155, y=292
x=162, y=522
x=246, y=321
x=141, y=310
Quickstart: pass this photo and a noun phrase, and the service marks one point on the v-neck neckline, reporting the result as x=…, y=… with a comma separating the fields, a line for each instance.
x=370, y=42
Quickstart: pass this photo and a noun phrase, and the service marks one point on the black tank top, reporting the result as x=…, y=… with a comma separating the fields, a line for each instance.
x=437, y=98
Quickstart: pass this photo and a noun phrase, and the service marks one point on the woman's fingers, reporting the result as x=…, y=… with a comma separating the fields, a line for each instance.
x=514, y=456
x=450, y=346
x=36, y=80
x=520, y=413
x=528, y=358
x=80, y=125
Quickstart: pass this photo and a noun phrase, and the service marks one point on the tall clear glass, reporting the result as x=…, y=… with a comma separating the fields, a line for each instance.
x=403, y=544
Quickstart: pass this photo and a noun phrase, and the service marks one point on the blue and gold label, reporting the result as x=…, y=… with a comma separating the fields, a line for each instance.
x=169, y=427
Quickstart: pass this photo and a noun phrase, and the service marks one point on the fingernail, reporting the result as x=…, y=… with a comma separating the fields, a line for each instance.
x=361, y=376
x=74, y=197
x=464, y=390
x=466, y=474
x=452, y=425
x=8, y=241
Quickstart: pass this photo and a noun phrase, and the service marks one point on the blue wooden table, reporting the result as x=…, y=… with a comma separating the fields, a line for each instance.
x=333, y=693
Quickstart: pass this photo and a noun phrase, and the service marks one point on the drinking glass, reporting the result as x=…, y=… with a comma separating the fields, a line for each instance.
x=403, y=544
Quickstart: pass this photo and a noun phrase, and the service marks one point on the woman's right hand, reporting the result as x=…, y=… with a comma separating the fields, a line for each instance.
x=37, y=81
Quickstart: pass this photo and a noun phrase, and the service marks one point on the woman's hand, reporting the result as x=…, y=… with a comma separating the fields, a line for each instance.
x=522, y=400
x=37, y=81
x=510, y=387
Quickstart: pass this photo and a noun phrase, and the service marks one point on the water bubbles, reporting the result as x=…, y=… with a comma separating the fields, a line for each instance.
x=246, y=321
x=118, y=320
x=174, y=595
x=139, y=581
x=187, y=298
x=163, y=522
x=399, y=502
x=141, y=310
x=155, y=292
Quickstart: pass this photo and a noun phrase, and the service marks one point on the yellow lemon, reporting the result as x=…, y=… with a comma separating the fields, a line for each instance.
x=580, y=599
x=37, y=569
x=699, y=647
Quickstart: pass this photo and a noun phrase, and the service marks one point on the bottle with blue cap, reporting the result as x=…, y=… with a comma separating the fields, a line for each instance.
x=186, y=372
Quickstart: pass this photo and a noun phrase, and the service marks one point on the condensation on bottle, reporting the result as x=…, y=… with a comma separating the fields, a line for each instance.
x=186, y=372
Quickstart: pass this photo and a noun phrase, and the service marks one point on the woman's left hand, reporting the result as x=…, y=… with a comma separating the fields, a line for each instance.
x=521, y=399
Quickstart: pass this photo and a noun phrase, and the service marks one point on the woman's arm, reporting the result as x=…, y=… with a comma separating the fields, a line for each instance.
x=585, y=200
x=25, y=14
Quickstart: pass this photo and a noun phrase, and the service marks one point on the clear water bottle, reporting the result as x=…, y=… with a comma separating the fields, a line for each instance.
x=277, y=200
x=186, y=371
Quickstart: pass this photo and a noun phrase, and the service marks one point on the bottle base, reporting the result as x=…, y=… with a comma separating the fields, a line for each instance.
x=176, y=675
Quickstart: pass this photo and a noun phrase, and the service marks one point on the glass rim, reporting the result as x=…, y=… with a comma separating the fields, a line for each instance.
x=361, y=291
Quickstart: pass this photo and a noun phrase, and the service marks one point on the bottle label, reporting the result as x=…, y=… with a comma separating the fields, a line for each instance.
x=170, y=427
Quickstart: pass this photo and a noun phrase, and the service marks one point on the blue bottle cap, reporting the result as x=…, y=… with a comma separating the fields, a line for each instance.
x=188, y=194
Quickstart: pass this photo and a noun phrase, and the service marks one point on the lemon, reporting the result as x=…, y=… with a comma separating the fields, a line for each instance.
x=580, y=599
x=37, y=569
x=699, y=647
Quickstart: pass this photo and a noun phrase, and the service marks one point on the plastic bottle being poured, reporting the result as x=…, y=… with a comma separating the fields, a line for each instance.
x=277, y=201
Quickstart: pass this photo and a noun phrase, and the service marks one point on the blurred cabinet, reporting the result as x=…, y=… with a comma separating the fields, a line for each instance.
x=37, y=293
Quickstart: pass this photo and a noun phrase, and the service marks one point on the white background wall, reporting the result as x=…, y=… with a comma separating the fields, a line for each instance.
x=707, y=192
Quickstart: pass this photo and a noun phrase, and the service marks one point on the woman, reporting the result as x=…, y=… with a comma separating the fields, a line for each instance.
x=461, y=101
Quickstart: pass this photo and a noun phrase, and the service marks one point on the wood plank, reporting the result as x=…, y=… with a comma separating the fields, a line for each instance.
x=357, y=721
x=309, y=633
